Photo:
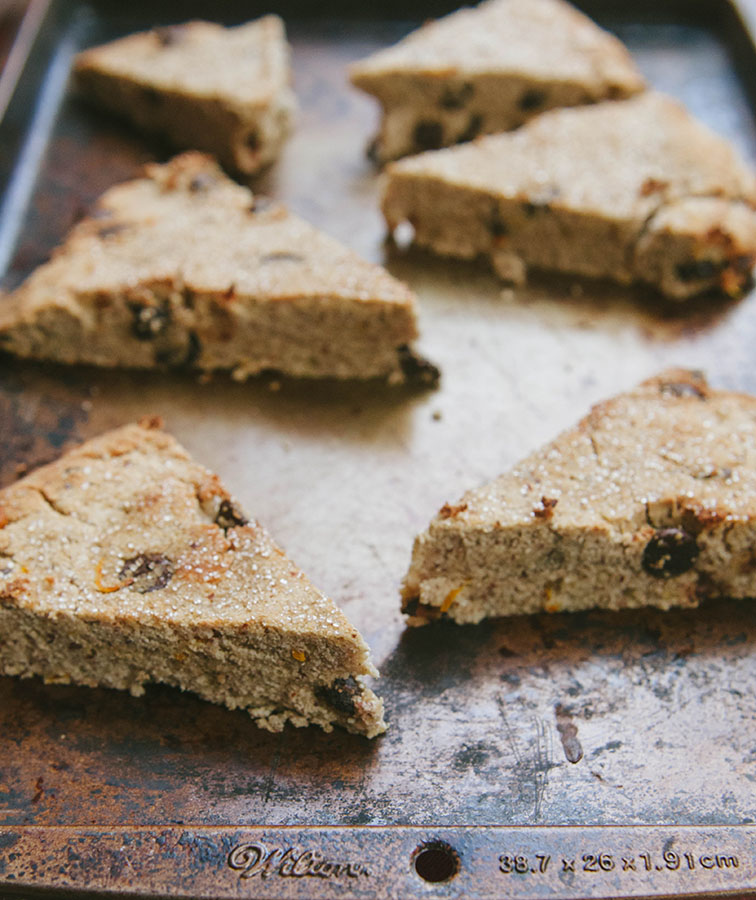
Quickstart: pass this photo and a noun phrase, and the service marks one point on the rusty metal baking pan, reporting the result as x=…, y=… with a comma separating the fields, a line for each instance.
x=593, y=755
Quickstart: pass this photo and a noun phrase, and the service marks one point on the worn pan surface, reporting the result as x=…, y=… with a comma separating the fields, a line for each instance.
x=498, y=732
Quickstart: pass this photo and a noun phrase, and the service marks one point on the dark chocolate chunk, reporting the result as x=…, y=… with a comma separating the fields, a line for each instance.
x=532, y=99
x=473, y=129
x=428, y=135
x=149, y=321
x=228, y=516
x=456, y=96
x=699, y=269
x=340, y=695
x=416, y=369
x=670, y=552
x=147, y=571
x=252, y=140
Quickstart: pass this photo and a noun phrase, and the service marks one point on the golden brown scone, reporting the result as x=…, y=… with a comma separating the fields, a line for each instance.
x=634, y=190
x=649, y=501
x=125, y=562
x=183, y=267
x=489, y=69
x=225, y=91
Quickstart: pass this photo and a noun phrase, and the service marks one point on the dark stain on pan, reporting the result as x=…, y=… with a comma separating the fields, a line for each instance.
x=39, y=417
x=472, y=756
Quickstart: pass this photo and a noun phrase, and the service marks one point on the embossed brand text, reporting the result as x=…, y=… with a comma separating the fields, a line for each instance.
x=257, y=859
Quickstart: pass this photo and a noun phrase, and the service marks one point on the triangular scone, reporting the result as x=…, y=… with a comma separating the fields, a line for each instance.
x=649, y=501
x=204, y=87
x=125, y=562
x=183, y=267
x=634, y=190
x=488, y=69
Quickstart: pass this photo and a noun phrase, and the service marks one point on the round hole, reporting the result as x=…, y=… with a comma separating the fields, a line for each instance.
x=436, y=861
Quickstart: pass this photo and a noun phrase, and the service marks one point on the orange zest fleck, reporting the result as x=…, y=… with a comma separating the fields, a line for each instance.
x=3, y=519
x=108, y=589
x=450, y=598
x=299, y=655
x=551, y=606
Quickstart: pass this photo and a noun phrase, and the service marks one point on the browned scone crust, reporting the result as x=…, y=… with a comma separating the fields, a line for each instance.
x=225, y=91
x=634, y=190
x=490, y=69
x=125, y=562
x=649, y=501
x=183, y=267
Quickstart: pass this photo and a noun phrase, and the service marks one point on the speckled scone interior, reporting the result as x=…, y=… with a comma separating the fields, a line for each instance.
x=633, y=190
x=225, y=91
x=185, y=268
x=649, y=501
x=489, y=69
x=125, y=562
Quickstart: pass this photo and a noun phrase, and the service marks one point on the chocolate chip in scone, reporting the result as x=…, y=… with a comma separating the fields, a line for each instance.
x=417, y=369
x=532, y=99
x=252, y=141
x=670, y=552
x=228, y=516
x=149, y=321
x=428, y=135
x=340, y=695
x=147, y=571
x=473, y=129
x=456, y=96
x=699, y=270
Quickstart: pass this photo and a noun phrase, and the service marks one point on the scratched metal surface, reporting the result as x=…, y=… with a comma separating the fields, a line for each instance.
x=592, y=719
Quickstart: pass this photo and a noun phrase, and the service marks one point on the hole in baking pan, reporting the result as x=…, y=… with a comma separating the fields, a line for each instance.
x=436, y=861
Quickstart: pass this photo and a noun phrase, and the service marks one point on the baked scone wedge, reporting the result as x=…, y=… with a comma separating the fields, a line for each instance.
x=184, y=267
x=125, y=562
x=490, y=69
x=649, y=501
x=226, y=91
x=634, y=190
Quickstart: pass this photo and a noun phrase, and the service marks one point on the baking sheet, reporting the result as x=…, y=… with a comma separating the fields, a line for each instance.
x=594, y=719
